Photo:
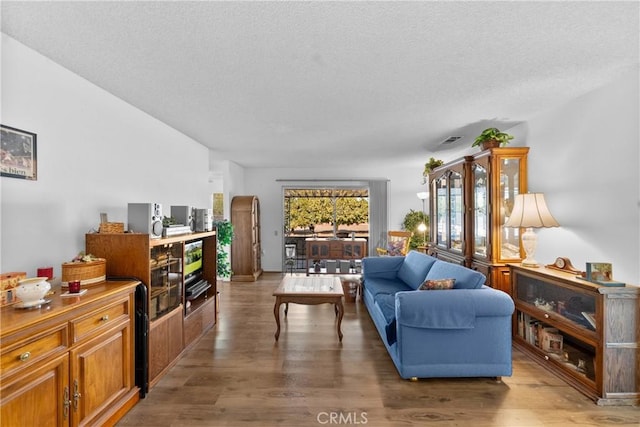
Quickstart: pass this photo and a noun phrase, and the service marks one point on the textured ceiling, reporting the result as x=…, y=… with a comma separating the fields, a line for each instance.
x=271, y=84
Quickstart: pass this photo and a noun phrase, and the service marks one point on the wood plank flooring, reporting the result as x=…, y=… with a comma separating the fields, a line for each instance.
x=238, y=375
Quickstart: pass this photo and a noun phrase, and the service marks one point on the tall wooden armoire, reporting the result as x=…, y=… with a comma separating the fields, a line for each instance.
x=245, y=246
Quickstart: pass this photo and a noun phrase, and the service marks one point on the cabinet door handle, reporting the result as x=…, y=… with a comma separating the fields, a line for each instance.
x=76, y=395
x=66, y=403
x=546, y=315
x=104, y=318
x=25, y=356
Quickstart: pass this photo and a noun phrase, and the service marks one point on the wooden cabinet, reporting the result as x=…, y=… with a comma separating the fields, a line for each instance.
x=471, y=198
x=585, y=333
x=333, y=249
x=246, y=250
x=70, y=362
x=180, y=275
x=165, y=344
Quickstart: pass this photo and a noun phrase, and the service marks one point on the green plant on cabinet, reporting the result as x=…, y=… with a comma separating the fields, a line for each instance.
x=429, y=166
x=492, y=136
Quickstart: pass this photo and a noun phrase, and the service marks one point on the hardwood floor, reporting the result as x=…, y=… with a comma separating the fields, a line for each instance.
x=238, y=375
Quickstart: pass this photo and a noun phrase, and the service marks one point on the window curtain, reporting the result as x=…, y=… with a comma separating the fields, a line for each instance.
x=378, y=214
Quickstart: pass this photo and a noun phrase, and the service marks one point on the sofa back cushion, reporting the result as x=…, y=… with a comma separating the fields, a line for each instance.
x=415, y=267
x=465, y=277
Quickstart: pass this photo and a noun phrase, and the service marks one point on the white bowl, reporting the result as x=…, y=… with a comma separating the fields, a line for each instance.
x=33, y=289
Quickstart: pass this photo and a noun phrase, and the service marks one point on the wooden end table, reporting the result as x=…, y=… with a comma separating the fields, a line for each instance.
x=309, y=290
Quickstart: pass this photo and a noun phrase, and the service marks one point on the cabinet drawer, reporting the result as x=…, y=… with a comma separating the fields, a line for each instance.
x=100, y=319
x=25, y=353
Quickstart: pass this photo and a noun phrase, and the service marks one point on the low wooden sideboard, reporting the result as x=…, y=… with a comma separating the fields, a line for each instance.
x=334, y=249
x=70, y=362
x=587, y=334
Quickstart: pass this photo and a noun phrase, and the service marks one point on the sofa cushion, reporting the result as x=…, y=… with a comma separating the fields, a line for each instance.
x=437, y=284
x=415, y=267
x=384, y=286
x=465, y=277
x=387, y=304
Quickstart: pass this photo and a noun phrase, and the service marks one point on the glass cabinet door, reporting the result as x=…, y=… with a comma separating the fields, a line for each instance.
x=441, y=211
x=449, y=210
x=456, y=228
x=509, y=238
x=166, y=279
x=480, y=211
x=545, y=312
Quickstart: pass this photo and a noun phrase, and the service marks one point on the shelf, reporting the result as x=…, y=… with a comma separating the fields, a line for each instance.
x=199, y=292
x=164, y=263
x=596, y=353
x=181, y=238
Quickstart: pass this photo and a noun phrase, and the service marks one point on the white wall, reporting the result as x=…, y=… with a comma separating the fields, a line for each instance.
x=584, y=156
x=95, y=154
x=403, y=186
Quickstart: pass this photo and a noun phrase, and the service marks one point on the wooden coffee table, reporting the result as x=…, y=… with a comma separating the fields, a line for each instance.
x=309, y=290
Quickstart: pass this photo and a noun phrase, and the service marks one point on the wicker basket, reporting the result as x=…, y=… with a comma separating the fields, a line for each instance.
x=112, y=227
x=86, y=272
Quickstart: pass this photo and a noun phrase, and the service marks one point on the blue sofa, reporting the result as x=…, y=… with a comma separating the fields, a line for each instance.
x=459, y=332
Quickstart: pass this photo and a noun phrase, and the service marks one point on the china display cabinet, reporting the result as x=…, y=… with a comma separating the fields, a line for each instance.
x=585, y=333
x=448, y=207
x=471, y=199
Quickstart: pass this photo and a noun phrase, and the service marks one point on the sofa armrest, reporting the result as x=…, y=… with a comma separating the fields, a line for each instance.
x=450, y=309
x=381, y=267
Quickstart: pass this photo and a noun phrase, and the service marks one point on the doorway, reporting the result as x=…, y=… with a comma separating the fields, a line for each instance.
x=321, y=212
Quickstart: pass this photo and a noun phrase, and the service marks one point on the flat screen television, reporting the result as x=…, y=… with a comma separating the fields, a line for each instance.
x=192, y=260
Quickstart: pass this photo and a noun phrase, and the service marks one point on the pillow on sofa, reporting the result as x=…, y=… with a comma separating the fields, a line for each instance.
x=437, y=284
x=415, y=267
x=465, y=277
x=395, y=248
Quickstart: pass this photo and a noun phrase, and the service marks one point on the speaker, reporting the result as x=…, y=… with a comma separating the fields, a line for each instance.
x=183, y=215
x=203, y=219
x=145, y=218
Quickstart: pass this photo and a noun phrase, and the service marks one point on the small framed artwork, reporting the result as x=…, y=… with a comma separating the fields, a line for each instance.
x=18, y=153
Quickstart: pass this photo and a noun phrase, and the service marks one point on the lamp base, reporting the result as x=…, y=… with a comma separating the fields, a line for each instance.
x=529, y=264
x=529, y=243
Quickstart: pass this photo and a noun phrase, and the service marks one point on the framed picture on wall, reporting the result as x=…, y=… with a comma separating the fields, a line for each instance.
x=18, y=154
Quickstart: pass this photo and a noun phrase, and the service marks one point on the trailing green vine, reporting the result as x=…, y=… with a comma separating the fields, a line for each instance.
x=224, y=237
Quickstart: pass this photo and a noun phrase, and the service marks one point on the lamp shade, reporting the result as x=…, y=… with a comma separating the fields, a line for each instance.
x=530, y=210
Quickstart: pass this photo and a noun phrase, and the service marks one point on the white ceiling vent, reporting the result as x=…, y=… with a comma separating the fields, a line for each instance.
x=450, y=140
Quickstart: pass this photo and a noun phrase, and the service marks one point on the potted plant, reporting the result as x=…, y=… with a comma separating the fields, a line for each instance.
x=492, y=137
x=411, y=222
x=429, y=166
x=224, y=236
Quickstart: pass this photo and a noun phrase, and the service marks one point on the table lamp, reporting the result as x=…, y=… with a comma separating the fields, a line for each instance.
x=530, y=211
x=422, y=227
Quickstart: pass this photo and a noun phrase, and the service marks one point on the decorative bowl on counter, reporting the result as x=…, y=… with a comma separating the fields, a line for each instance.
x=32, y=291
